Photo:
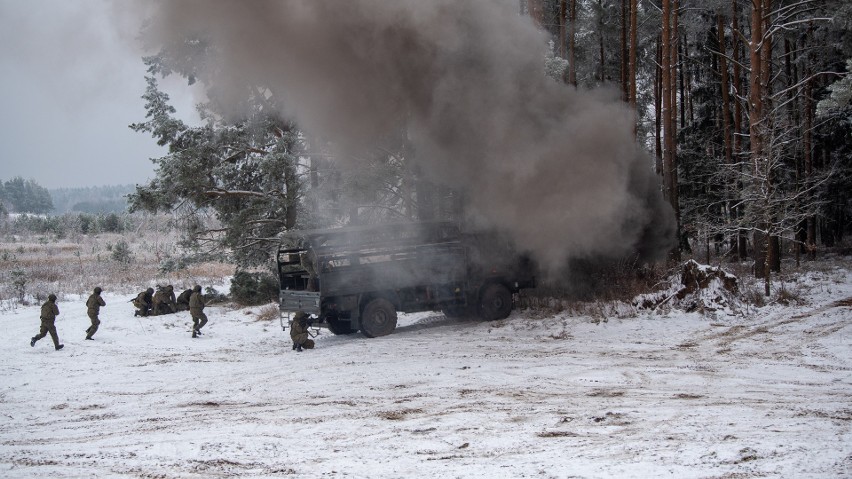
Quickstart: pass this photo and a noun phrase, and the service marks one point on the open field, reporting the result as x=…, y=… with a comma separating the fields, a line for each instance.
x=766, y=394
x=33, y=266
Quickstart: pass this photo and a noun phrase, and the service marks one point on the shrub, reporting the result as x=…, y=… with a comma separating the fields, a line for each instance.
x=121, y=253
x=170, y=265
x=253, y=288
x=19, y=283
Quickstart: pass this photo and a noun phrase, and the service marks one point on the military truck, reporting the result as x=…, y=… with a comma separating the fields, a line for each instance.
x=357, y=278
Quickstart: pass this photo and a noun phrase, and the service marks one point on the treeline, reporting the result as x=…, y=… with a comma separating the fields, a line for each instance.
x=93, y=199
x=61, y=226
x=744, y=104
x=24, y=196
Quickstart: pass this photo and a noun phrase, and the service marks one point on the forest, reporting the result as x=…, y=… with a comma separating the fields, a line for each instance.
x=742, y=107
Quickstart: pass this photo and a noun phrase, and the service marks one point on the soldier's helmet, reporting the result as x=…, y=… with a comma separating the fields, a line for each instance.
x=299, y=315
x=51, y=297
x=170, y=288
x=197, y=288
x=150, y=290
x=98, y=290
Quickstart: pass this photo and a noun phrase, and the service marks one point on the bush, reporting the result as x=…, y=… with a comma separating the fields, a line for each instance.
x=253, y=288
x=121, y=253
x=170, y=265
x=19, y=283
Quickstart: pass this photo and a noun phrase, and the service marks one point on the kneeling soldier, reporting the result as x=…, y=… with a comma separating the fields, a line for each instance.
x=299, y=332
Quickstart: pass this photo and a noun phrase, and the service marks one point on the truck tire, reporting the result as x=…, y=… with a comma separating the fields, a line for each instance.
x=339, y=327
x=456, y=312
x=495, y=303
x=378, y=318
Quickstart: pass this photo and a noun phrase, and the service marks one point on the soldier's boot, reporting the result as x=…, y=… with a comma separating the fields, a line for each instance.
x=90, y=338
x=194, y=333
x=136, y=313
x=59, y=346
x=33, y=341
x=298, y=348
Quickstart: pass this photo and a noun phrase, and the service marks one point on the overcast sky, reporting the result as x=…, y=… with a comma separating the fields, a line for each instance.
x=71, y=81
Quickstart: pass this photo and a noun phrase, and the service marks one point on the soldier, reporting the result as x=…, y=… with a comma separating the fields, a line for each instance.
x=143, y=301
x=160, y=302
x=93, y=307
x=299, y=332
x=196, y=309
x=171, y=301
x=49, y=312
x=183, y=300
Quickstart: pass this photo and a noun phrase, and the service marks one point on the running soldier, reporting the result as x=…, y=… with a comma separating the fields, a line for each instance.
x=196, y=309
x=93, y=308
x=49, y=312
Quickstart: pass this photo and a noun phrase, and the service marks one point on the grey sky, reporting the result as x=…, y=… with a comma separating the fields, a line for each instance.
x=71, y=82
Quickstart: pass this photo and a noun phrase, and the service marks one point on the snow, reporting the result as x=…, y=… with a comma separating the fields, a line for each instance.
x=664, y=393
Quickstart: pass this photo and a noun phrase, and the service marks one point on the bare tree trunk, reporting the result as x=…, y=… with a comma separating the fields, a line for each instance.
x=572, y=38
x=669, y=91
x=742, y=240
x=658, y=108
x=723, y=84
x=726, y=117
x=602, y=74
x=632, y=61
x=625, y=93
x=755, y=112
x=563, y=9
x=807, y=140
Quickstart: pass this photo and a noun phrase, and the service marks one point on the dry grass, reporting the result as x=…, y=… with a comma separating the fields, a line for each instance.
x=74, y=266
x=270, y=312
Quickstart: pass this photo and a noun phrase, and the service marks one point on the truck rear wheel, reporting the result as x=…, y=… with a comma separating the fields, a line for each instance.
x=378, y=318
x=456, y=312
x=338, y=326
x=496, y=302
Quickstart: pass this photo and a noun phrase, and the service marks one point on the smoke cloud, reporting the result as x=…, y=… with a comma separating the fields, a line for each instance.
x=556, y=167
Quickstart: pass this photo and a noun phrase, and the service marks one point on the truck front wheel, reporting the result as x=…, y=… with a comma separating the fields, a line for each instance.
x=378, y=318
x=496, y=302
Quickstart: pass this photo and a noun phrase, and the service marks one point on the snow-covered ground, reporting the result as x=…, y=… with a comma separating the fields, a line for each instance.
x=674, y=395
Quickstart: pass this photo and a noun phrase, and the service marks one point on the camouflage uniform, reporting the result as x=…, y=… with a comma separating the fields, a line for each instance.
x=170, y=298
x=160, y=302
x=143, y=302
x=49, y=312
x=299, y=332
x=196, y=309
x=93, y=308
x=183, y=301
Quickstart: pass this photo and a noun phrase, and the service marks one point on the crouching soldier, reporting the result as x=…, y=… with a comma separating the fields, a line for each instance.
x=299, y=332
x=161, y=303
x=143, y=302
x=93, y=308
x=183, y=300
x=49, y=312
x=196, y=309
